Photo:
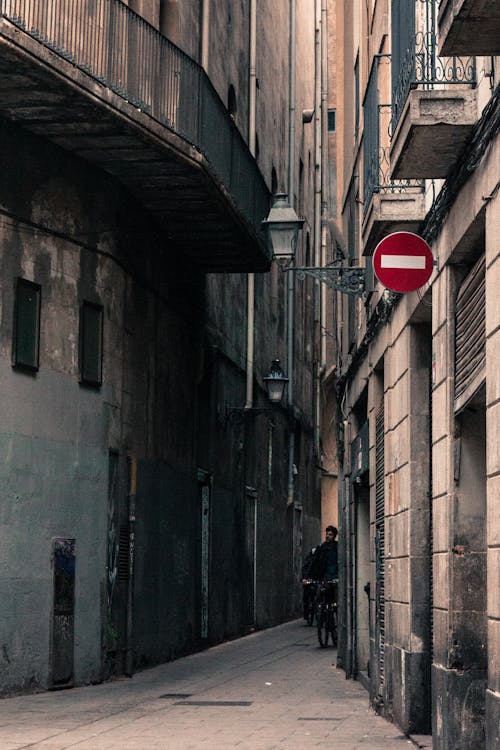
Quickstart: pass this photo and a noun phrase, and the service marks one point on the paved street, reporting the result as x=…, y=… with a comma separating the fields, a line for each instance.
x=272, y=689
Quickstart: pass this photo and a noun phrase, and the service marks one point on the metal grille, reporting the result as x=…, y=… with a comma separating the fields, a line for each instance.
x=380, y=539
x=123, y=553
x=414, y=54
x=470, y=329
x=376, y=158
x=115, y=46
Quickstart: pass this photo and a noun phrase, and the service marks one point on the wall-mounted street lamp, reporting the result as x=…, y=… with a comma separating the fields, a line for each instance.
x=275, y=381
x=282, y=227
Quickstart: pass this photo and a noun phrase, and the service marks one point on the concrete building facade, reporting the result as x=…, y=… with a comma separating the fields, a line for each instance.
x=415, y=377
x=146, y=507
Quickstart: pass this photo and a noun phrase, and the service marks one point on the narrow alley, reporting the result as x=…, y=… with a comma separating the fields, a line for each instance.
x=273, y=689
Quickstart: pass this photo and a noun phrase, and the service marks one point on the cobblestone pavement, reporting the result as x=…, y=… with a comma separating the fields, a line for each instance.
x=272, y=689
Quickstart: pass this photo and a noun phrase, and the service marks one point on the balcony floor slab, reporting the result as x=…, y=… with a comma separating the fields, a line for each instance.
x=432, y=131
x=469, y=27
x=390, y=212
x=48, y=96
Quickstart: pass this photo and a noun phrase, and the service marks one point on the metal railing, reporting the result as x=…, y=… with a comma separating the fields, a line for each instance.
x=376, y=155
x=415, y=61
x=118, y=48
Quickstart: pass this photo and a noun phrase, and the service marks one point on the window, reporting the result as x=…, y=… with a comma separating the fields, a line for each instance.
x=331, y=120
x=27, y=325
x=91, y=317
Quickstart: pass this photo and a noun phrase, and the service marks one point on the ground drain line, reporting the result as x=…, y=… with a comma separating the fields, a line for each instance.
x=176, y=696
x=214, y=703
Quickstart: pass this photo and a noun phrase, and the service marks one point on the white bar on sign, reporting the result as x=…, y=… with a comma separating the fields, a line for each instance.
x=403, y=261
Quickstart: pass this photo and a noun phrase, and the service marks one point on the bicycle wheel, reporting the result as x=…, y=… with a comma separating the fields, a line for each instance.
x=322, y=622
x=333, y=625
x=311, y=612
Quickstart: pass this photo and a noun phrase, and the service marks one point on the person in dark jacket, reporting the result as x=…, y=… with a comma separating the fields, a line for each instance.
x=325, y=565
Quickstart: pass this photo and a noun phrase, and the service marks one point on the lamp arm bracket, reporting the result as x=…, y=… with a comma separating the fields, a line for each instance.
x=346, y=280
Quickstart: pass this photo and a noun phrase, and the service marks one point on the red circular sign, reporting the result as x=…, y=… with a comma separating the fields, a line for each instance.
x=403, y=262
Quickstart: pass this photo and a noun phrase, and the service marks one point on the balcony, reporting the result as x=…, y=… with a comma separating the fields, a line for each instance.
x=433, y=98
x=98, y=81
x=469, y=27
x=388, y=205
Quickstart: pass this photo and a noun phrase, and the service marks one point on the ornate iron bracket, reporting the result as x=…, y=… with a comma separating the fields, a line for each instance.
x=345, y=280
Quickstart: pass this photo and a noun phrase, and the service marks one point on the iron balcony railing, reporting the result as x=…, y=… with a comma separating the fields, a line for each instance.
x=115, y=46
x=415, y=61
x=376, y=150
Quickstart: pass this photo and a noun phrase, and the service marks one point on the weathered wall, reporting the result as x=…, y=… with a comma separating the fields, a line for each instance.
x=174, y=356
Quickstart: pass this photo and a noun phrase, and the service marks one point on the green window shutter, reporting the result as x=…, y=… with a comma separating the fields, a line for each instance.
x=91, y=319
x=27, y=325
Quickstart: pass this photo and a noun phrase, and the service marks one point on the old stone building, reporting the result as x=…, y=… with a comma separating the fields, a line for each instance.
x=414, y=384
x=152, y=502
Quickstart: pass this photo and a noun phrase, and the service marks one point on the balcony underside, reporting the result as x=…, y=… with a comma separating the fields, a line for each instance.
x=469, y=27
x=432, y=131
x=172, y=180
x=390, y=212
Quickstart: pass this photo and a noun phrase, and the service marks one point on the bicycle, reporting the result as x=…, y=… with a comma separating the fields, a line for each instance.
x=326, y=612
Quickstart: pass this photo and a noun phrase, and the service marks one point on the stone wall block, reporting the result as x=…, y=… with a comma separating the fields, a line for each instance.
x=442, y=467
x=493, y=439
x=398, y=537
x=492, y=368
x=440, y=523
x=492, y=720
x=440, y=620
x=441, y=578
x=493, y=516
x=494, y=582
x=458, y=718
x=420, y=532
x=468, y=643
x=469, y=579
x=441, y=412
x=398, y=571
x=441, y=360
x=494, y=655
x=400, y=625
x=420, y=602
x=398, y=359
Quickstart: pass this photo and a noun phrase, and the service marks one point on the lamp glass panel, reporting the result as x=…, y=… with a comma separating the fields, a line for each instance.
x=275, y=390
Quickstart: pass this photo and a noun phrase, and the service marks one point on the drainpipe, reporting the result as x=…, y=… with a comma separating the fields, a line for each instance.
x=252, y=93
x=324, y=168
x=317, y=224
x=291, y=276
x=348, y=575
x=205, y=21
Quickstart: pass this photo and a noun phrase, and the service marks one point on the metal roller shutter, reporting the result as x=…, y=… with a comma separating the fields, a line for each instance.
x=470, y=334
x=380, y=541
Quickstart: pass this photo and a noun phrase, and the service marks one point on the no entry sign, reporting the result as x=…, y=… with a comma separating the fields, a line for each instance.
x=403, y=262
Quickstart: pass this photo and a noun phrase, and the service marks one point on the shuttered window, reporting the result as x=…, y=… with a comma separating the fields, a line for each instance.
x=470, y=334
x=26, y=344
x=91, y=344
